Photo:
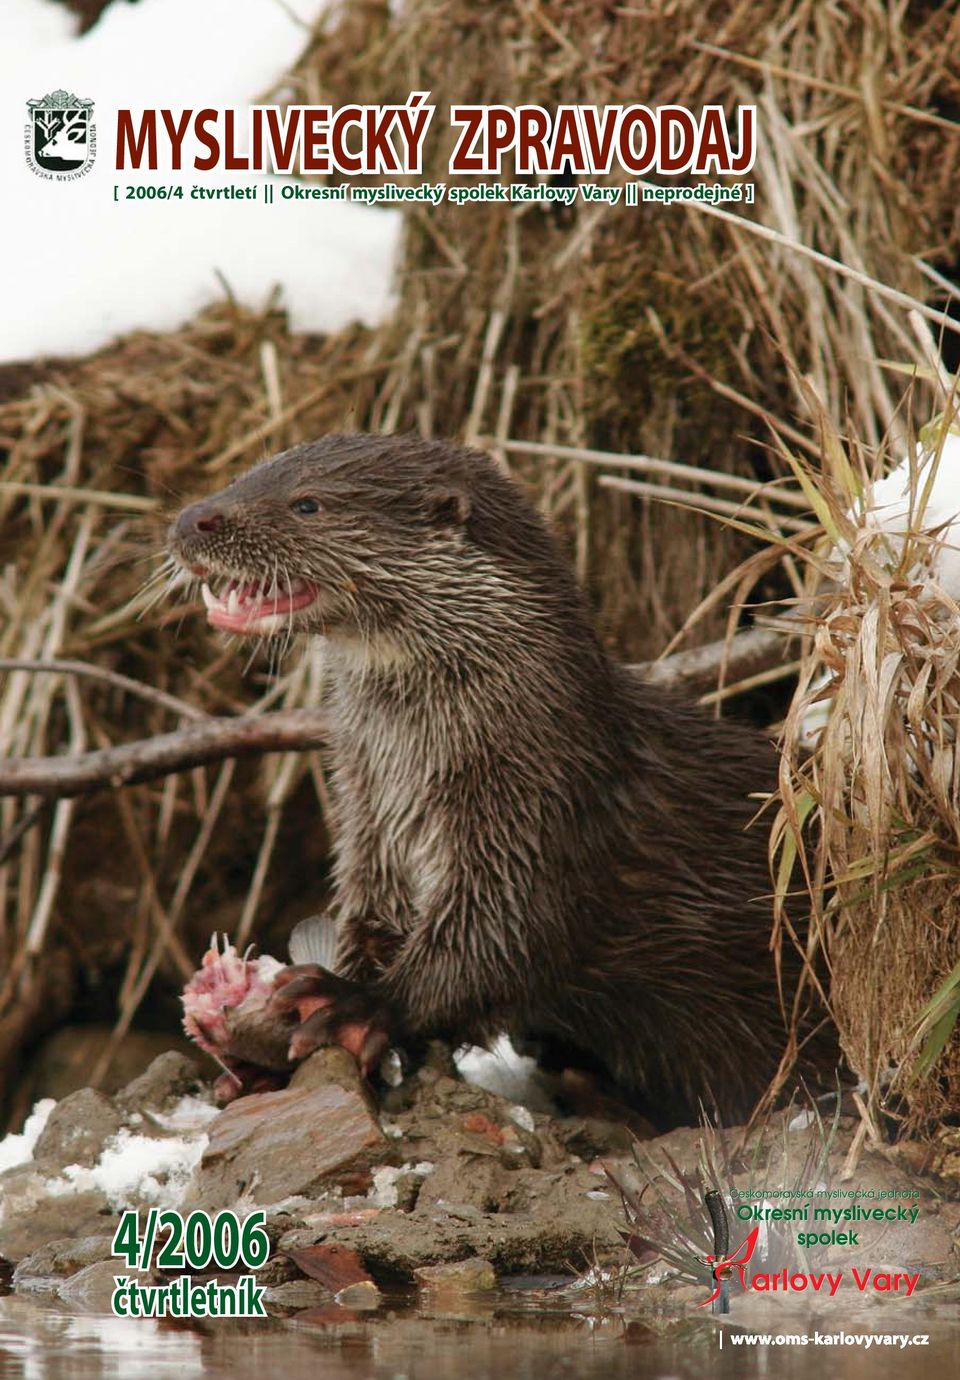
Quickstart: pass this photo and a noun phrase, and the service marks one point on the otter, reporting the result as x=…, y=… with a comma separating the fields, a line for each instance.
x=530, y=838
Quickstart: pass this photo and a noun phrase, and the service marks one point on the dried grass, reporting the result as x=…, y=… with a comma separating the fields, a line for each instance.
x=666, y=333
x=873, y=810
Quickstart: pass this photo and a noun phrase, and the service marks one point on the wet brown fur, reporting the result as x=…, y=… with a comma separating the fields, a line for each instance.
x=530, y=838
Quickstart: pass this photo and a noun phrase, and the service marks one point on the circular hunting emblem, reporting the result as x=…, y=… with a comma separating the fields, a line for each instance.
x=60, y=140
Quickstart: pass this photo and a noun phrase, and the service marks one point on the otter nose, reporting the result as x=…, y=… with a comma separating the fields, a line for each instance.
x=199, y=519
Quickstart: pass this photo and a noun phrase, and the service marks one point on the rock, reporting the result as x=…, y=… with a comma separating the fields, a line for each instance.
x=442, y=1116
x=465, y=1180
x=169, y=1077
x=484, y=1196
x=276, y=1271
x=32, y=1217
x=297, y=1294
x=364, y=1295
x=277, y=1222
x=394, y=1245
x=276, y=1145
x=63, y=1257
x=77, y=1130
x=333, y=1065
x=397, y=1186
x=407, y=1188
x=460, y=1276
x=317, y=1225
x=334, y=1266
x=589, y=1138
x=479, y=1124
x=92, y=1288
x=520, y=1147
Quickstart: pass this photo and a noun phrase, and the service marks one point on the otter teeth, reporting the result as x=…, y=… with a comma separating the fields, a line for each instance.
x=262, y=605
x=236, y=595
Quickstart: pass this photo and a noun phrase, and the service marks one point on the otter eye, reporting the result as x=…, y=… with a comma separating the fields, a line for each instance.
x=305, y=505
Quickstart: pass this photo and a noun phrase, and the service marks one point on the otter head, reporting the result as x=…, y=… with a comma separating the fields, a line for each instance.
x=338, y=536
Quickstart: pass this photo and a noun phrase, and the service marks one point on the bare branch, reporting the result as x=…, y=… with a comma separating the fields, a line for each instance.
x=295, y=730
x=145, y=760
x=698, y=670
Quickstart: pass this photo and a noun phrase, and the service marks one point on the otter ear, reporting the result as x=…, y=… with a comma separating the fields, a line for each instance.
x=447, y=506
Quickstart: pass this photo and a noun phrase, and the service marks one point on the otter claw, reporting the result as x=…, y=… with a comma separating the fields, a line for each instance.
x=311, y=1034
x=332, y=1010
x=306, y=991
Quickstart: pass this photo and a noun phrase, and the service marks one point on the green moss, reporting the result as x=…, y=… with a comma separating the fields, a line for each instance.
x=632, y=363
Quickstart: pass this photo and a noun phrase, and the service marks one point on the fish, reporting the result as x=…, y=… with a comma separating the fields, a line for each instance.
x=229, y=1013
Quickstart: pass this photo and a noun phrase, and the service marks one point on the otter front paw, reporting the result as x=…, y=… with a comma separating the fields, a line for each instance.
x=332, y=1010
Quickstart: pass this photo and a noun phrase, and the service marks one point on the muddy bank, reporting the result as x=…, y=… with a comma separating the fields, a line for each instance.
x=439, y=1171
x=446, y=1187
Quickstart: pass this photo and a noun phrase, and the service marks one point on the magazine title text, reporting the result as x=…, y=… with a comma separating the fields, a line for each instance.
x=372, y=140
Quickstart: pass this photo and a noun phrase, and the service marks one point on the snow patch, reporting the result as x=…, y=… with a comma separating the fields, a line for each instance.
x=502, y=1070
x=384, y=1192
x=189, y=1114
x=890, y=508
x=135, y=1169
x=81, y=268
x=18, y=1149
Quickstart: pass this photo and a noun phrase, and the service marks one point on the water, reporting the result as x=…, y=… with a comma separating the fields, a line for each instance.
x=502, y=1337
